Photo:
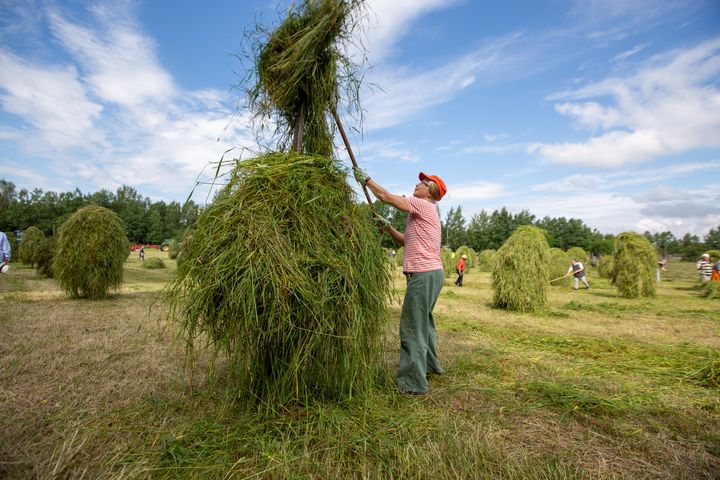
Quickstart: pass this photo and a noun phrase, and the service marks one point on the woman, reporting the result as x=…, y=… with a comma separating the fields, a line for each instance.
x=423, y=270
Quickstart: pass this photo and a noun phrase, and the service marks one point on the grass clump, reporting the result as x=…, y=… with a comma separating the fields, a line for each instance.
x=28, y=249
x=285, y=278
x=90, y=253
x=486, y=260
x=558, y=265
x=708, y=375
x=153, y=263
x=635, y=263
x=580, y=255
x=606, y=264
x=711, y=290
x=521, y=275
x=399, y=256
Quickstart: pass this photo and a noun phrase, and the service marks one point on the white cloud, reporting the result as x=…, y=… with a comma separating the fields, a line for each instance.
x=388, y=22
x=475, y=191
x=629, y=53
x=120, y=62
x=669, y=107
x=51, y=98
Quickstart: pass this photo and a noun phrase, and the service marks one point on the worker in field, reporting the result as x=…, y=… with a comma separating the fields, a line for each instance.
x=423, y=270
x=705, y=267
x=5, y=253
x=460, y=269
x=577, y=269
x=141, y=254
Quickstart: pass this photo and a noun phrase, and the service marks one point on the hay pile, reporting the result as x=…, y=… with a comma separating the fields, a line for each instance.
x=285, y=277
x=299, y=68
x=521, y=277
x=29, y=247
x=635, y=264
x=606, y=264
x=399, y=256
x=579, y=254
x=558, y=265
x=44, y=256
x=471, y=260
x=173, y=249
x=710, y=290
x=487, y=260
x=448, y=260
x=153, y=263
x=90, y=252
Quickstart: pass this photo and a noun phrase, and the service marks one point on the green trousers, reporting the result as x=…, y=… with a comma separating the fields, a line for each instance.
x=417, y=331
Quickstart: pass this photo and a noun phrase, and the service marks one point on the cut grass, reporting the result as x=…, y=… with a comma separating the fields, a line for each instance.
x=612, y=388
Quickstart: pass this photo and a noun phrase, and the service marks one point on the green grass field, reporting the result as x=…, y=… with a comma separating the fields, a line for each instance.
x=594, y=386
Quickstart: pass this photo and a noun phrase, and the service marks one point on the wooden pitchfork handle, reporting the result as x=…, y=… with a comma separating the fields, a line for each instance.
x=352, y=157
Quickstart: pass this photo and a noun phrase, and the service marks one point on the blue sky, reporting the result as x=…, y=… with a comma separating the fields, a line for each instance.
x=603, y=110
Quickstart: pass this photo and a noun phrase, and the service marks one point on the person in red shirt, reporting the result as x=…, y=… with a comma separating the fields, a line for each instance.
x=423, y=270
x=460, y=269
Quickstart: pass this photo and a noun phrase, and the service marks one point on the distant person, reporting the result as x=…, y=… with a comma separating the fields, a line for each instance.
x=593, y=261
x=141, y=254
x=705, y=267
x=460, y=269
x=662, y=267
x=577, y=269
x=6, y=252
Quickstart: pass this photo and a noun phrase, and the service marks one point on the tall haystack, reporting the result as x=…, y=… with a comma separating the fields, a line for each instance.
x=284, y=277
x=471, y=260
x=30, y=246
x=90, y=252
x=606, y=266
x=635, y=264
x=579, y=254
x=448, y=260
x=559, y=262
x=487, y=260
x=521, y=276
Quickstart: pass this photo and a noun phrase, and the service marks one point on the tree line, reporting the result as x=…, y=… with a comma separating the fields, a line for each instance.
x=490, y=230
x=144, y=221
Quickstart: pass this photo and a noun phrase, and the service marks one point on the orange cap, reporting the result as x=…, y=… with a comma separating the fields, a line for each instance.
x=438, y=181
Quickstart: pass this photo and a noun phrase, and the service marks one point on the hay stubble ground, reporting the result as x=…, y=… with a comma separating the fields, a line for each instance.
x=594, y=386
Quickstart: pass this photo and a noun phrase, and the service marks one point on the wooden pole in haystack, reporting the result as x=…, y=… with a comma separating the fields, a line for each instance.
x=350, y=153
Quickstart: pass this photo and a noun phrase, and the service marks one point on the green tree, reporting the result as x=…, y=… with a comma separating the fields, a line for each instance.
x=454, y=229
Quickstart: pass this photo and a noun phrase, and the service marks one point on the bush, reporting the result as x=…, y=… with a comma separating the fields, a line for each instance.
x=45, y=254
x=153, y=263
x=471, y=256
x=90, y=253
x=521, y=275
x=558, y=265
x=285, y=277
x=579, y=254
x=635, y=264
x=28, y=249
x=486, y=260
x=606, y=264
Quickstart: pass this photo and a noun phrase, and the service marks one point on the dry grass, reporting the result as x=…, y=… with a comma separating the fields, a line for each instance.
x=594, y=386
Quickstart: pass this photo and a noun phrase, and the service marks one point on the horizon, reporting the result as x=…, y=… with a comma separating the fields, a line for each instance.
x=603, y=111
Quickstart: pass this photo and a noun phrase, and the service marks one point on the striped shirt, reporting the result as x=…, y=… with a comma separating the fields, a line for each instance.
x=705, y=268
x=422, y=237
